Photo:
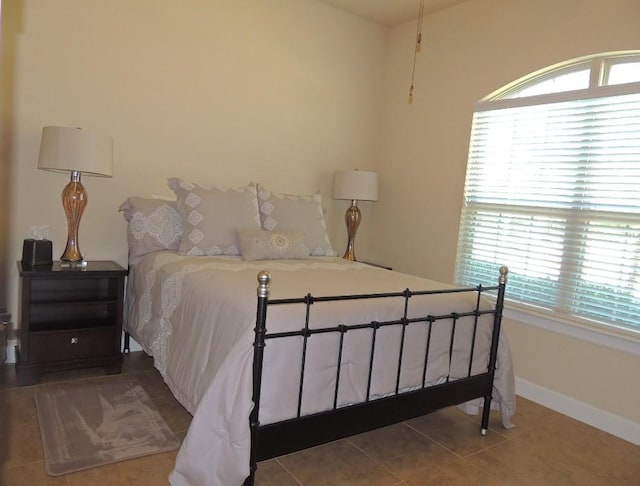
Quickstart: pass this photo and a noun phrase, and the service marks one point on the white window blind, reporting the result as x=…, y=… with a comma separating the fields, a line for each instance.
x=553, y=192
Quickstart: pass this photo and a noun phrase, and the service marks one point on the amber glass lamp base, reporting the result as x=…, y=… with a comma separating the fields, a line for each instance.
x=74, y=200
x=352, y=219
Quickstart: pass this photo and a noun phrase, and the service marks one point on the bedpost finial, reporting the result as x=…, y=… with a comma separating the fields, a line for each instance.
x=264, y=279
x=504, y=270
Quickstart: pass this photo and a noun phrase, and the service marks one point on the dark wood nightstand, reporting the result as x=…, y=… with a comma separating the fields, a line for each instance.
x=70, y=317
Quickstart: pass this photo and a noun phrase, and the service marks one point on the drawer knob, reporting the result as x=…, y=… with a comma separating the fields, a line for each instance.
x=74, y=340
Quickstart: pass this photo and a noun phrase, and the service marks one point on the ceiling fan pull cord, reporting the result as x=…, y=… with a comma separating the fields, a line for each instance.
x=417, y=48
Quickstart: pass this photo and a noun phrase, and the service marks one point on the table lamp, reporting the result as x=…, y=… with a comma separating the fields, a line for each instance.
x=354, y=185
x=77, y=151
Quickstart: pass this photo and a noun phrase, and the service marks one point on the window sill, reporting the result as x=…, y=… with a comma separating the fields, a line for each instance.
x=619, y=339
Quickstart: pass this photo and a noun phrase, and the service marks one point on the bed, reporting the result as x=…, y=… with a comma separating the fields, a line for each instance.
x=324, y=347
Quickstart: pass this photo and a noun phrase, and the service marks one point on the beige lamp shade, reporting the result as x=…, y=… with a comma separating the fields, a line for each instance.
x=359, y=185
x=64, y=149
x=77, y=152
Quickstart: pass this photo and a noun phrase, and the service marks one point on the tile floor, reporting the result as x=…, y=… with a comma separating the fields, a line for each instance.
x=443, y=448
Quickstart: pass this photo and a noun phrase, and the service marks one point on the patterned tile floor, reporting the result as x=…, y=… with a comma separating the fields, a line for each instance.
x=443, y=448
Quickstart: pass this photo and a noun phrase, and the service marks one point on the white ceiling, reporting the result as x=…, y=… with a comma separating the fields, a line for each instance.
x=390, y=12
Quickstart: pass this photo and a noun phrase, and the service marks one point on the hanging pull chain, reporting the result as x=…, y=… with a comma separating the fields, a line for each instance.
x=417, y=48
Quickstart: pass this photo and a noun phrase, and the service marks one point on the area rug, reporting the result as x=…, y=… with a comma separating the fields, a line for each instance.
x=87, y=425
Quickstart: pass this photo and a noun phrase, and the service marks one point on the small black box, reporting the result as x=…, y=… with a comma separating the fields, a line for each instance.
x=37, y=252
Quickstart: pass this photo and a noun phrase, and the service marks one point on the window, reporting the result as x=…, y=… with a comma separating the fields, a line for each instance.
x=553, y=191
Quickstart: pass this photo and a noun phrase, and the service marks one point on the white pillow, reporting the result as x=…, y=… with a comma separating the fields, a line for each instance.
x=286, y=212
x=211, y=216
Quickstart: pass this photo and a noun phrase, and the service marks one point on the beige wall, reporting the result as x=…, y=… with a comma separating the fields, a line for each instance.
x=469, y=51
x=283, y=92
x=8, y=32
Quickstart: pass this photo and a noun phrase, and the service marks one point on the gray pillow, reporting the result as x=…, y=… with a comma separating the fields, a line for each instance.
x=153, y=225
x=211, y=216
x=270, y=245
x=287, y=212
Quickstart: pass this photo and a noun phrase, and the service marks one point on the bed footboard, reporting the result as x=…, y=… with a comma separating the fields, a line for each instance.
x=303, y=431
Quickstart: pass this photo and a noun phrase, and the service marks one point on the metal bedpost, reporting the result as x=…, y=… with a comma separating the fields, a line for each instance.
x=493, y=356
x=264, y=278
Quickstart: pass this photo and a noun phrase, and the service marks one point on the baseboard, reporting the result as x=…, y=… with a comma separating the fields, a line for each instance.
x=603, y=420
x=134, y=346
x=11, y=351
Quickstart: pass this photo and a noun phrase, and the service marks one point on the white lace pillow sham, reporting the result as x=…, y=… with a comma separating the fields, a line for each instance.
x=153, y=225
x=269, y=245
x=286, y=212
x=211, y=216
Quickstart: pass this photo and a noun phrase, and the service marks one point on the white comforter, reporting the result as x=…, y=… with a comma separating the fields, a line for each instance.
x=196, y=316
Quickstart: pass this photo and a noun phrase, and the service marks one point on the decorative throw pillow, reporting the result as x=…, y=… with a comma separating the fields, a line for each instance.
x=269, y=245
x=211, y=216
x=154, y=224
x=286, y=212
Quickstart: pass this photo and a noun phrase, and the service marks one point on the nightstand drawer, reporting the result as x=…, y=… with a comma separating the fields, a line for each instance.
x=64, y=345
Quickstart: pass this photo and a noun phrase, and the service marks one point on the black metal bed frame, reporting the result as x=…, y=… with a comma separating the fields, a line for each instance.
x=303, y=431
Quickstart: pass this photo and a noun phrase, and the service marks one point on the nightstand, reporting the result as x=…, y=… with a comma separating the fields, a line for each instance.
x=70, y=317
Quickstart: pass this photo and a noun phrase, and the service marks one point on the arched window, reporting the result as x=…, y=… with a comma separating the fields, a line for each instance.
x=553, y=191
